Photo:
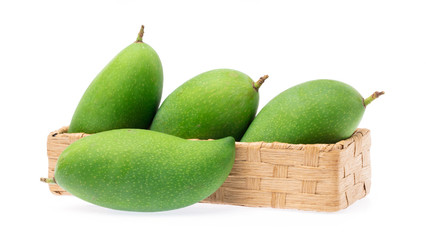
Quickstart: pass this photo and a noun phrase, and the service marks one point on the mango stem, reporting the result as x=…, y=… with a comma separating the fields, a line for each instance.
x=48, y=180
x=372, y=97
x=259, y=82
x=140, y=35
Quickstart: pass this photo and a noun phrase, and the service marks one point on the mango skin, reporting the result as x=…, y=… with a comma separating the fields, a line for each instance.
x=318, y=111
x=125, y=94
x=212, y=105
x=141, y=170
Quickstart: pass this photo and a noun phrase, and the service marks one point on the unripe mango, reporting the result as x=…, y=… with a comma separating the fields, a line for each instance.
x=125, y=94
x=318, y=111
x=142, y=170
x=212, y=105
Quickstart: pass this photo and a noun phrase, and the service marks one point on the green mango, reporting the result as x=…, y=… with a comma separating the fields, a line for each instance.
x=212, y=105
x=142, y=170
x=318, y=111
x=125, y=94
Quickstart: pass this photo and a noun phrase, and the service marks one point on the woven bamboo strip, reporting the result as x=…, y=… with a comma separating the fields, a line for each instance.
x=320, y=177
x=315, y=202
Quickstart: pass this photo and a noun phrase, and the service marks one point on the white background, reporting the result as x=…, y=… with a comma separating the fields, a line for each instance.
x=51, y=50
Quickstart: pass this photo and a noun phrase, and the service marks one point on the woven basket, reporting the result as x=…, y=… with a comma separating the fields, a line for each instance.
x=320, y=177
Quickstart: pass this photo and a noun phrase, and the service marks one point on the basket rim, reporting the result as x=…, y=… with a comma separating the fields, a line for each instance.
x=326, y=147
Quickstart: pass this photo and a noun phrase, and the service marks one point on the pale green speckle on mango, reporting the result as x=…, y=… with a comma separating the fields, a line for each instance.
x=318, y=111
x=142, y=170
x=212, y=105
x=125, y=94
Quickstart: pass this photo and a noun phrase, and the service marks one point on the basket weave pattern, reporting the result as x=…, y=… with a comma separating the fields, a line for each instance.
x=320, y=177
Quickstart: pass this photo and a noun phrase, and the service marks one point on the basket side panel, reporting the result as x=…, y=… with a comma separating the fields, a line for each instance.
x=282, y=176
x=355, y=172
x=56, y=143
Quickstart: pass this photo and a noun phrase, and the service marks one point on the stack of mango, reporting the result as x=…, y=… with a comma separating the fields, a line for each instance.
x=140, y=157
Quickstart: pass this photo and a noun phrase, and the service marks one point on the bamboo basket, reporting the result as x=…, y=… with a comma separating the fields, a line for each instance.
x=319, y=177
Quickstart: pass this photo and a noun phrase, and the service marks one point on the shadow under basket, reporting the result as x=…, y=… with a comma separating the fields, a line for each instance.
x=319, y=177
